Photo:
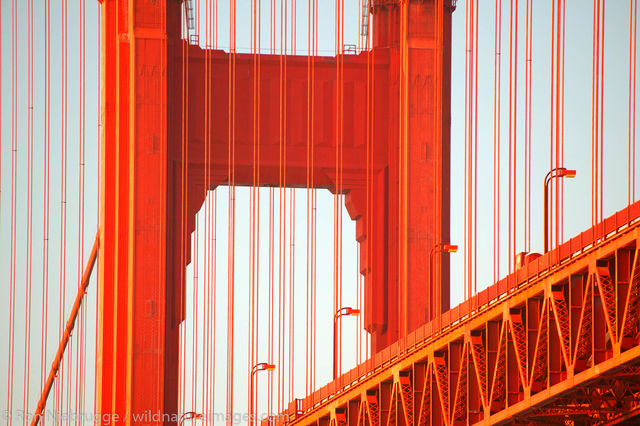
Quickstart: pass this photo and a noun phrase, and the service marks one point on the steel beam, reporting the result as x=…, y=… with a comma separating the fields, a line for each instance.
x=138, y=322
x=544, y=349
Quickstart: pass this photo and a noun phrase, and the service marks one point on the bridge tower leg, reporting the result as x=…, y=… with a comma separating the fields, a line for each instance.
x=138, y=331
x=419, y=93
x=143, y=257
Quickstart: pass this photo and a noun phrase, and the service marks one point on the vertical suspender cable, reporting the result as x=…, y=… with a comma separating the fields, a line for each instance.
x=310, y=324
x=282, y=202
x=182, y=216
x=528, y=128
x=281, y=117
x=206, y=341
x=45, y=191
x=633, y=113
x=340, y=192
x=78, y=339
x=437, y=273
x=253, y=306
x=214, y=253
x=181, y=327
x=29, y=242
x=206, y=332
x=1, y=116
x=367, y=199
x=336, y=136
x=527, y=153
x=369, y=168
x=514, y=140
x=470, y=150
x=292, y=239
x=467, y=136
x=258, y=143
x=556, y=121
x=497, y=33
x=12, y=255
x=594, y=132
x=270, y=387
x=514, y=121
x=195, y=312
x=601, y=160
x=470, y=145
x=214, y=299
x=196, y=267
x=314, y=301
x=291, y=323
x=561, y=238
x=307, y=366
x=401, y=235
x=292, y=230
x=81, y=191
x=337, y=243
x=597, y=109
x=560, y=44
x=511, y=190
x=63, y=196
x=341, y=180
x=182, y=125
x=630, y=159
x=231, y=230
x=68, y=371
x=371, y=59
x=98, y=162
x=314, y=209
x=475, y=154
x=271, y=295
x=403, y=172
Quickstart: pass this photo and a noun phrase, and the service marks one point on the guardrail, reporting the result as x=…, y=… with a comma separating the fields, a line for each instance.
x=424, y=335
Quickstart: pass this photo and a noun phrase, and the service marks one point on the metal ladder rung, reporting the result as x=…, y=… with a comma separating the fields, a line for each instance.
x=190, y=18
x=364, y=24
x=190, y=14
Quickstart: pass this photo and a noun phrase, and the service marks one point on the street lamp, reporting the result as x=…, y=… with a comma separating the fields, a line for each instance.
x=263, y=366
x=339, y=313
x=558, y=172
x=189, y=415
x=438, y=248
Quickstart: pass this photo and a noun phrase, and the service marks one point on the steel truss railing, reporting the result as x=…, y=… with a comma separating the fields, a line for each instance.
x=557, y=343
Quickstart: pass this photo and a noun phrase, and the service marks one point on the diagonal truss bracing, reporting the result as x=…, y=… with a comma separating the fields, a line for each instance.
x=560, y=344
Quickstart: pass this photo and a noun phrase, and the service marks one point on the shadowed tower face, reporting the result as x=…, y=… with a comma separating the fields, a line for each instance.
x=178, y=120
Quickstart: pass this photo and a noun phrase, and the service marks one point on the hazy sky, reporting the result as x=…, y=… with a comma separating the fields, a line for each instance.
x=577, y=134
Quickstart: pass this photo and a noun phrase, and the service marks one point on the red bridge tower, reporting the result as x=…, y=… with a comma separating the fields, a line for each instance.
x=177, y=120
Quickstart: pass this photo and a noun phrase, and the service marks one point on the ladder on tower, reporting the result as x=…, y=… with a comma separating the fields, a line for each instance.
x=190, y=17
x=364, y=25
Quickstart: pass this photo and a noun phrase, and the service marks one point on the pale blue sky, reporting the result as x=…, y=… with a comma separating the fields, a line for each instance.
x=577, y=153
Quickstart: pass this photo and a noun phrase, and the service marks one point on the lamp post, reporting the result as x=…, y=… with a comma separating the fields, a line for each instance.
x=339, y=313
x=263, y=366
x=189, y=415
x=558, y=172
x=438, y=248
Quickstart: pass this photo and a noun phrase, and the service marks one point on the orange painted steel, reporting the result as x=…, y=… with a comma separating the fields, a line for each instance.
x=138, y=331
x=427, y=183
x=154, y=172
x=557, y=339
x=555, y=342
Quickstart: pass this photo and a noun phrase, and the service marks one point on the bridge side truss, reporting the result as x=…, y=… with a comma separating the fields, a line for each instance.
x=561, y=348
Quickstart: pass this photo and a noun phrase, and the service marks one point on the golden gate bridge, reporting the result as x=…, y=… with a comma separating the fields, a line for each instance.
x=196, y=139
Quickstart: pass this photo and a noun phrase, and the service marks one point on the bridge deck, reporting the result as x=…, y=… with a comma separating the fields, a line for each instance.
x=557, y=340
